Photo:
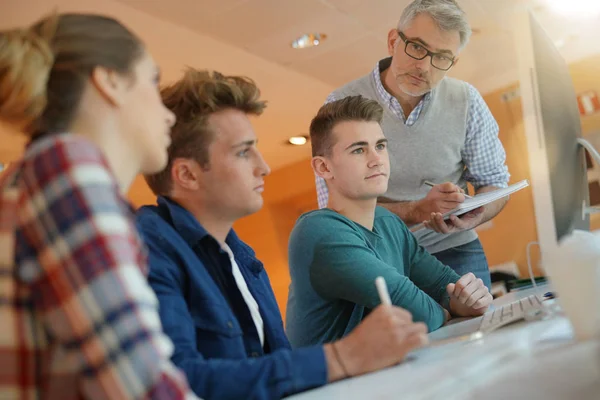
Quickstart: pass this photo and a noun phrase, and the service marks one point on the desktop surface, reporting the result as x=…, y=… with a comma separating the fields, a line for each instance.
x=524, y=360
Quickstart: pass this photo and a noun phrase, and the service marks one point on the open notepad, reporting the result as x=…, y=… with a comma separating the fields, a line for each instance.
x=480, y=200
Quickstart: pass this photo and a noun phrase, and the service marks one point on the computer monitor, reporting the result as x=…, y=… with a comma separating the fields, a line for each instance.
x=553, y=129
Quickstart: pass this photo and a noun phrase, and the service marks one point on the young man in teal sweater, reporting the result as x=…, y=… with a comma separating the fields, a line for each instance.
x=336, y=253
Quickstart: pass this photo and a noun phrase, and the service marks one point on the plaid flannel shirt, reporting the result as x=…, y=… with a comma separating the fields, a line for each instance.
x=77, y=318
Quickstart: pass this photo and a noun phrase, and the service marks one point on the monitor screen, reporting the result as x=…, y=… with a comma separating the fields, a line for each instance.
x=561, y=126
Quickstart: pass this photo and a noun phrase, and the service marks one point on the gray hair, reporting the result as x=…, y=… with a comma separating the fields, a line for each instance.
x=447, y=14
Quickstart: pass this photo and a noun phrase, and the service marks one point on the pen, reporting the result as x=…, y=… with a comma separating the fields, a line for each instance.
x=384, y=295
x=431, y=184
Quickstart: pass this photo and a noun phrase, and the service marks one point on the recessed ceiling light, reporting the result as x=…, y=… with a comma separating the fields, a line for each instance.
x=309, y=40
x=298, y=140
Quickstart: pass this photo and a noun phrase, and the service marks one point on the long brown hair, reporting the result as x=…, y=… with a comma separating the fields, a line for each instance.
x=44, y=69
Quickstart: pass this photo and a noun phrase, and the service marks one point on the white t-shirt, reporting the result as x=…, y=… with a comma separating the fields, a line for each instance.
x=248, y=298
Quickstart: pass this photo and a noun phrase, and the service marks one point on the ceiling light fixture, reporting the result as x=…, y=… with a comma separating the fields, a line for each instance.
x=575, y=8
x=309, y=40
x=298, y=140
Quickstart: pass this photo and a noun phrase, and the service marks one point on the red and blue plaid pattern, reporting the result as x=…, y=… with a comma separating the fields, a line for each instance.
x=77, y=318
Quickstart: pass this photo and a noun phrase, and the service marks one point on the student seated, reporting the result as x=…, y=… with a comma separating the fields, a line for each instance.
x=335, y=253
x=216, y=303
x=77, y=317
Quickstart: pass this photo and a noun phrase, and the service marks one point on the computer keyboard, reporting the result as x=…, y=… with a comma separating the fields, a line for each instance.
x=510, y=312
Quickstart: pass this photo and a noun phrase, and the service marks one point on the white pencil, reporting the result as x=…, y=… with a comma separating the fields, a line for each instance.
x=384, y=295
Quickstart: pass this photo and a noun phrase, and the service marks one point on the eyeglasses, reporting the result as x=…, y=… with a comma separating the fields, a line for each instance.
x=418, y=52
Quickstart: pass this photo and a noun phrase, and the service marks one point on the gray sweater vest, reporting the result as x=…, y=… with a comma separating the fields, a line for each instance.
x=430, y=149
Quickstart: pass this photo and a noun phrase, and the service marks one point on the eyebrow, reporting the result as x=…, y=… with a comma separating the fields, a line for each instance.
x=357, y=144
x=363, y=143
x=424, y=43
x=245, y=143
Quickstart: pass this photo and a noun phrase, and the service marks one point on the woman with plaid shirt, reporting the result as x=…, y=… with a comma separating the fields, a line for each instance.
x=78, y=318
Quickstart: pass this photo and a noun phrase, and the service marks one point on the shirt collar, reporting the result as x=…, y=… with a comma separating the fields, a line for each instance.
x=192, y=231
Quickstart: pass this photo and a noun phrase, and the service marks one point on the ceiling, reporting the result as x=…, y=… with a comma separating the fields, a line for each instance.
x=252, y=37
x=357, y=32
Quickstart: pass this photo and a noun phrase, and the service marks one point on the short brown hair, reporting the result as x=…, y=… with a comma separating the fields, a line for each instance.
x=193, y=99
x=352, y=108
x=59, y=53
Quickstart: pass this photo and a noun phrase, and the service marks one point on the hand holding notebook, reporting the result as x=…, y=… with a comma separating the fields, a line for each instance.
x=479, y=200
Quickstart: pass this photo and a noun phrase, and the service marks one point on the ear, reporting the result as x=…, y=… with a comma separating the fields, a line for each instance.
x=185, y=173
x=111, y=85
x=456, y=60
x=393, y=38
x=321, y=167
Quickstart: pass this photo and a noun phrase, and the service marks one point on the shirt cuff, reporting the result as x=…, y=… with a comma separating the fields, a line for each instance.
x=309, y=368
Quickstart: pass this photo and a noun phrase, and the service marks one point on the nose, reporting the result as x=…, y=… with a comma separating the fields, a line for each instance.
x=375, y=160
x=424, y=64
x=263, y=168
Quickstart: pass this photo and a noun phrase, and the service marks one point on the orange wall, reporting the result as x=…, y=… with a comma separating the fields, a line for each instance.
x=515, y=226
x=289, y=192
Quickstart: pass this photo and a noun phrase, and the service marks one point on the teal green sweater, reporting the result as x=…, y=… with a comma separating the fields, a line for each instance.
x=333, y=265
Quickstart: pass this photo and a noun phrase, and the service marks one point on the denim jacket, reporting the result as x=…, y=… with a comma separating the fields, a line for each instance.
x=216, y=343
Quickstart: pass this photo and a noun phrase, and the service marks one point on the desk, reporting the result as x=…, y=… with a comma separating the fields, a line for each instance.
x=526, y=360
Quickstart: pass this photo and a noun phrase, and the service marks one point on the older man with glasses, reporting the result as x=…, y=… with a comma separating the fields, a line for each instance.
x=441, y=134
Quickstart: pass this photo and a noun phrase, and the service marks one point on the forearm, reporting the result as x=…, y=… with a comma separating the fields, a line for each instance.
x=422, y=307
x=339, y=273
x=409, y=211
x=431, y=276
x=492, y=209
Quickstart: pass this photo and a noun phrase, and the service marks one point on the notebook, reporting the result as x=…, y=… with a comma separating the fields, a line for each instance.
x=480, y=200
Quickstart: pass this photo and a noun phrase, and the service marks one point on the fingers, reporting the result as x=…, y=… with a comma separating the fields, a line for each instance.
x=437, y=223
x=475, y=295
x=450, y=288
x=477, y=211
x=447, y=187
x=462, y=283
x=458, y=222
x=412, y=338
x=401, y=314
x=478, y=294
x=392, y=316
x=413, y=335
x=453, y=198
x=446, y=195
x=416, y=328
x=416, y=340
x=482, y=304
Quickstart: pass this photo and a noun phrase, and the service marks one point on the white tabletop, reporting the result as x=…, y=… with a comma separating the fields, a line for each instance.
x=526, y=360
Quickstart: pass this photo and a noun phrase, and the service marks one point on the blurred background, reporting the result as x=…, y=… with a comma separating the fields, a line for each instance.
x=343, y=41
